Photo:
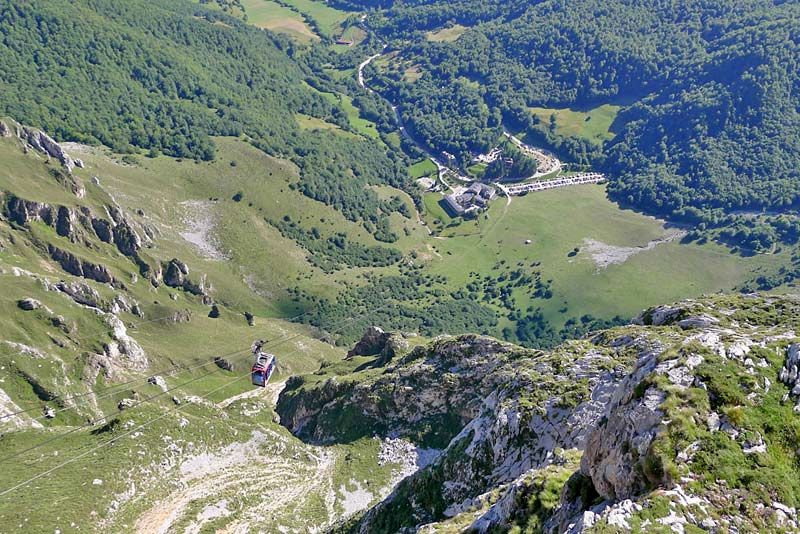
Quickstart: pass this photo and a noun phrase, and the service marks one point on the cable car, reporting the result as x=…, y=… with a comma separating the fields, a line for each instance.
x=263, y=368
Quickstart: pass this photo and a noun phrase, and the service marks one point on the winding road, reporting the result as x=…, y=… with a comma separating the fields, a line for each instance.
x=548, y=163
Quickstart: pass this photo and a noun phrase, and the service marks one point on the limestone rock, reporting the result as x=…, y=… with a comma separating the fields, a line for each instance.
x=127, y=240
x=698, y=321
x=175, y=273
x=45, y=144
x=78, y=267
x=659, y=316
x=65, y=222
x=370, y=344
x=29, y=304
x=23, y=211
x=617, y=450
x=158, y=381
x=124, y=404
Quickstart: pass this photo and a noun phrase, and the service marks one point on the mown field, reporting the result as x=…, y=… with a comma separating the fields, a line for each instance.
x=593, y=124
x=447, y=34
x=275, y=17
x=328, y=20
x=422, y=168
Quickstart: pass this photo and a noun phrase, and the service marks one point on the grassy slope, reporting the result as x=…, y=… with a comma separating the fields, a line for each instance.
x=594, y=124
x=166, y=344
x=273, y=16
x=327, y=19
x=556, y=222
x=447, y=34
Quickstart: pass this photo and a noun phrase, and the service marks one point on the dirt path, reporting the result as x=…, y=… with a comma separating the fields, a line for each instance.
x=264, y=478
x=270, y=393
x=270, y=476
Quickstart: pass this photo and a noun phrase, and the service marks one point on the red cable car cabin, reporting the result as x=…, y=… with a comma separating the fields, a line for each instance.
x=263, y=368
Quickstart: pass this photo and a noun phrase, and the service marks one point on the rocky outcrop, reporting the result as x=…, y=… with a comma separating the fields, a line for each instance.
x=79, y=267
x=79, y=292
x=65, y=222
x=103, y=230
x=121, y=356
x=617, y=456
x=537, y=407
x=223, y=364
x=29, y=304
x=376, y=342
x=176, y=274
x=127, y=240
x=371, y=343
x=40, y=141
x=790, y=375
x=5, y=130
x=80, y=224
x=675, y=422
x=23, y=212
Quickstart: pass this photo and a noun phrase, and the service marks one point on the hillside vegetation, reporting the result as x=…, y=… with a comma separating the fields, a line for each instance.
x=165, y=76
x=709, y=95
x=686, y=417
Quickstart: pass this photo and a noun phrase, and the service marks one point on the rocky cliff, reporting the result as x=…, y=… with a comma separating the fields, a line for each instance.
x=686, y=420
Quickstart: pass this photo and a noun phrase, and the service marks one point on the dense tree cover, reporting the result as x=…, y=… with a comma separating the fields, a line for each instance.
x=512, y=165
x=167, y=75
x=330, y=254
x=715, y=88
x=533, y=330
x=411, y=302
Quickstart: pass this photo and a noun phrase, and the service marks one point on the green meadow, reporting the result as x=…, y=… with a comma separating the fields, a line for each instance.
x=327, y=19
x=447, y=34
x=594, y=124
x=558, y=221
x=275, y=17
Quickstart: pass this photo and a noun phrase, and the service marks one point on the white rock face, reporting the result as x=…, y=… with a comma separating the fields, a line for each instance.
x=158, y=381
x=790, y=374
x=10, y=418
x=47, y=145
x=614, y=450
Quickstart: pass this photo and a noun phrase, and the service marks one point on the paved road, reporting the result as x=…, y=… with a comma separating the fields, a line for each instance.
x=548, y=163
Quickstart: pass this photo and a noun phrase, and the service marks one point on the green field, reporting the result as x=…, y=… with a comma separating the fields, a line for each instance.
x=477, y=170
x=447, y=34
x=275, y=17
x=556, y=222
x=424, y=167
x=594, y=124
x=306, y=122
x=362, y=126
x=435, y=215
x=327, y=19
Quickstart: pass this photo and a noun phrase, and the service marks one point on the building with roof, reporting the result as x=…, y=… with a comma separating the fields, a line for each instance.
x=469, y=202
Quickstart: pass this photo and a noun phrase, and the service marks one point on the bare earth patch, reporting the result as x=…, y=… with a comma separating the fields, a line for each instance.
x=604, y=255
x=198, y=222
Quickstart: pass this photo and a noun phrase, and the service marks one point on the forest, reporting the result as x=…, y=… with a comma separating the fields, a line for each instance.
x=163, y=77
x=709, y=92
